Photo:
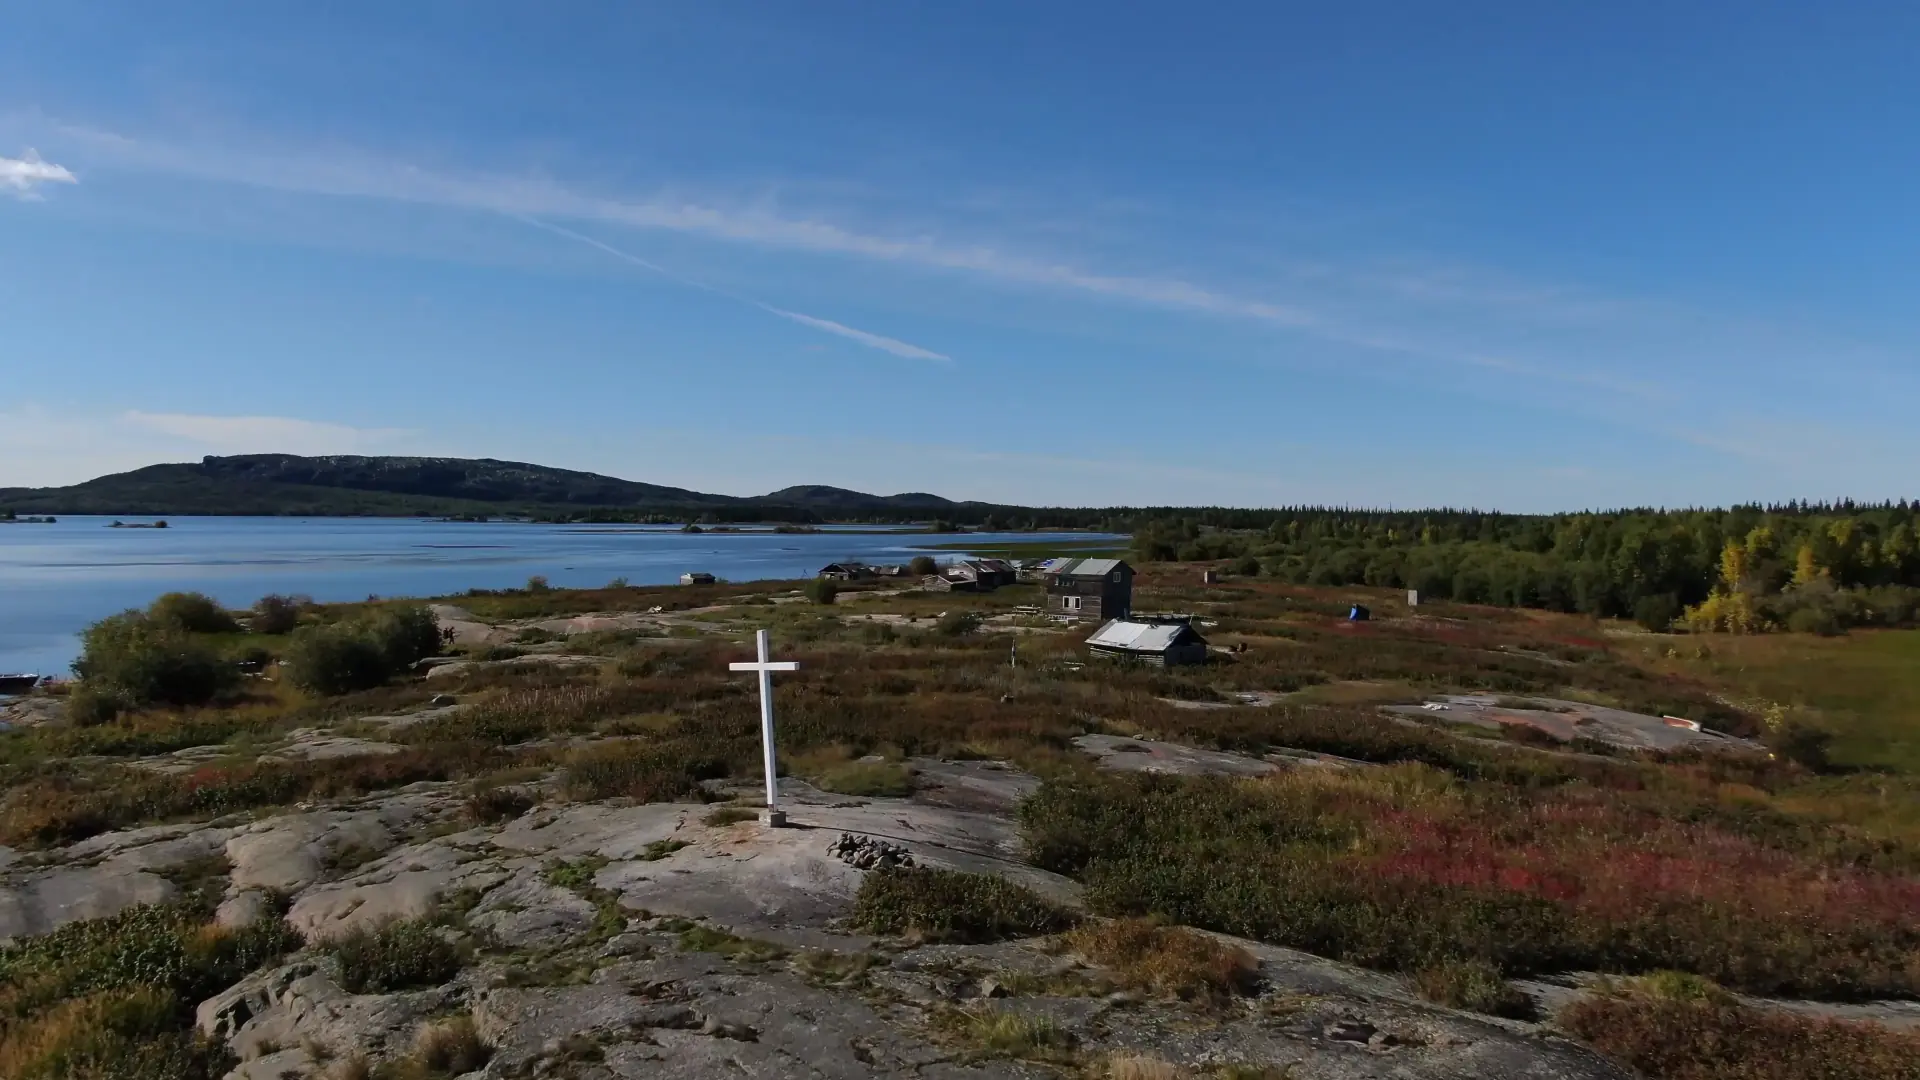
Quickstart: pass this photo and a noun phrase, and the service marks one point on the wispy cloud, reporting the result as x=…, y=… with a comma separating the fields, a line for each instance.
x=264, y=434
x=346, y=173
x=871, y=340
x=22, y=176
x=877, y=341
x=1514, y=334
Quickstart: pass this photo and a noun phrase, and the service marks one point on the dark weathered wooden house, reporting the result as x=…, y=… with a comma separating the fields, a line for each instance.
x=696, y=578
x=846, y=571
x=1089, y=589
x=1162, y=643
x=989, y=573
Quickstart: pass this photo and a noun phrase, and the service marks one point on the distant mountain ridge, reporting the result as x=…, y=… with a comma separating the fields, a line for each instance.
x=355, y=484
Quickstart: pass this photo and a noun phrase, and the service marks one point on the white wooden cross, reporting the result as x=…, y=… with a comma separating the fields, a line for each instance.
x=766, y=668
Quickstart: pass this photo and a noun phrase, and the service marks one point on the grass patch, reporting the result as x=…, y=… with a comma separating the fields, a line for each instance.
x=396, y=956
x=1005, y=1033
x=660, y=849
x=699, y=937
x=1167, y=961
x=1475, y=986
x=872, y=779
x=576, y=875
x=1865, y=687
x=947, y=905
x=441, y=1050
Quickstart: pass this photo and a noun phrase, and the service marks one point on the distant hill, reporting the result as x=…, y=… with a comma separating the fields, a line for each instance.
x=823, y=497
x=286, y=484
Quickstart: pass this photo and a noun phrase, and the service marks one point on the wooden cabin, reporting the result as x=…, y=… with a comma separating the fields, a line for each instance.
x=696, y=579
x=846, y=571
x=1089, y=589
x=1164, y=644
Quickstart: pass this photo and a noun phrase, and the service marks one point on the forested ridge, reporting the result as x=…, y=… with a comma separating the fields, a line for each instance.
x=1815, y=566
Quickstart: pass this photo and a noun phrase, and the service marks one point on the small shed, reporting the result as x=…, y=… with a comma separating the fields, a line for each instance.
x=846, y=571
x=1089, y=589
x=1166, y=644
x=696, y=579
x=1359, y=613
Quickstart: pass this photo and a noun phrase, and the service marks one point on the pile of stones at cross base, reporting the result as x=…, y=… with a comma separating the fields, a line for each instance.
x=866, y=853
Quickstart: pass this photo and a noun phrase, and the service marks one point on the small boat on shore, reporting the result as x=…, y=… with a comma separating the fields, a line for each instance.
x=18, y=684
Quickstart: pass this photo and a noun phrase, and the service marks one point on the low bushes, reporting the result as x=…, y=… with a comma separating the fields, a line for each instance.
x=396, y=956
x=192, y=613
x=114, y=997
x=1720, y=1040
x=133, y=659
x=946, y=905
x=1407, y=870
x=1476, y=986
x=344, y=657
x=1168, y=961
x=64, y=807
x=276, y=614
x=645, y=772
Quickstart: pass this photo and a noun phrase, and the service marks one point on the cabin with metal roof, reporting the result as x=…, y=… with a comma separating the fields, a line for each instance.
x=1166, y=644
x=1089, y=589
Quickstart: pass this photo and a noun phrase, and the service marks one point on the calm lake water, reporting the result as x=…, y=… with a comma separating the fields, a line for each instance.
x=55, y=579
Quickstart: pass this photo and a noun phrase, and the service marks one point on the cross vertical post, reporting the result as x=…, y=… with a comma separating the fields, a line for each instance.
x=765, y=668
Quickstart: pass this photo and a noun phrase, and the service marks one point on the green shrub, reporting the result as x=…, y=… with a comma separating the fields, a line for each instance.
x=947, y=905
x=137, y=660
x=1476, y=986
x=90, y=704
x=334, y=660
x=923, y=566
x=1247, y=566
x=1657, y=612
x=396, y=956
x=405, y=635
x=1803, y=744
x=822, y=590
x=276, y=614
x=957, y=624
x=494, y=805
x=1815, y=620
x=192, y=613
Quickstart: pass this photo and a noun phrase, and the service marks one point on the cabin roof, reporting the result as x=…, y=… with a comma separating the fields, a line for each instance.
x=1142, y=637
x=1098, y=568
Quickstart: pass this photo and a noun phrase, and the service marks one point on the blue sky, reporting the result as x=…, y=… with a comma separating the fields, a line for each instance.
x=1502, y=255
